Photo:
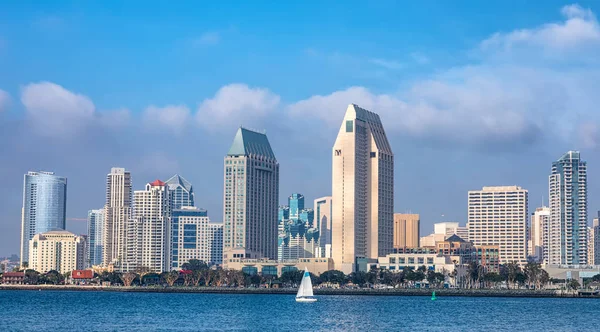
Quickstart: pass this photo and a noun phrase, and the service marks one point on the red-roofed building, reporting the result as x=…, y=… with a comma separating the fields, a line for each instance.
x=157, y=183
x=13, y=278
x=82, y=276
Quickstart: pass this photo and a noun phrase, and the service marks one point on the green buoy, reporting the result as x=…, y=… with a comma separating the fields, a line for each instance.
x=433, y=298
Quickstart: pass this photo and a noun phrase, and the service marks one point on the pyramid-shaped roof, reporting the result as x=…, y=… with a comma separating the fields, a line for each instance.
x=247, y=142
x=157, y=183
x=177, y=180
x=455, y=238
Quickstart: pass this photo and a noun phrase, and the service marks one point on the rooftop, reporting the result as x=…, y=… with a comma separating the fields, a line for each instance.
x=247, y=142
x=157, y=183
x=176, y=180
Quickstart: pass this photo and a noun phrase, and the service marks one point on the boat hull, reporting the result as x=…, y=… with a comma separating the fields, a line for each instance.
x=306, y=299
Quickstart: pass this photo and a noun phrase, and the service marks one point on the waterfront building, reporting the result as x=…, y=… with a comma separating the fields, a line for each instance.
x=362, y=191
x=298, y=238
x=95, y=226
x=181, y=191
x=596, y=242
x=406, y=230
x=414, y=258
x=117, y=214
x=455, y=246
x=251, y=185
x=193, y=236
x=498, y=217
x=567, y=229
x=57, y=250
x=488, y=256
x=150, y=229
x=591, y=250
x=538, y=234
x=276, y=268
x=44, y=206
x=323, y=209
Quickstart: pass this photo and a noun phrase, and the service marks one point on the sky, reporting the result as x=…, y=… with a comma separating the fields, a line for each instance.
x=470, y=93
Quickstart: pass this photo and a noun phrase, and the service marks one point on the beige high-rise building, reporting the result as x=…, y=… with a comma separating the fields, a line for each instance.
x=538, y=233
x=117, y=212
x=406, y=230
x=362, y=190
x=251, y=197
x=57, y=250
x=498, y=216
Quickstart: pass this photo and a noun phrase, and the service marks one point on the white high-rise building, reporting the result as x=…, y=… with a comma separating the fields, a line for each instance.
x=567, y=229
x=251, y=195
x=150, y=233
x=538, y=234
x=95, y=223
x=117, y=213
x=498, y=216
x=362, y=191
x=323, y=208
x=57, y=250
x=195, y=237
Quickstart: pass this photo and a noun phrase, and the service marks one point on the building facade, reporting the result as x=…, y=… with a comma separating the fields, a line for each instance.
x=275, y=268
x=95, y=223
x=117, y=213
x=362, y=190
x=591, y=248
x=181, y=192
x=406, y=230
x=57, y=250
x=497, y=216
x=298, y=237
x=149, y=229
x=44, y=206
x=251, y=194
x=193, y=236
x=323, y=211
x=567, y=229
x=538, y=234
x=596, y=242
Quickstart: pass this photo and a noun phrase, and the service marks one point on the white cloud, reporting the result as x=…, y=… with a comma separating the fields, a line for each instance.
x=234, y=104
x=589, y=135
x=114, y=118
x=580, y=29
x=4, y=100
x=208, y=38
x=171, y=117
x=54, y=110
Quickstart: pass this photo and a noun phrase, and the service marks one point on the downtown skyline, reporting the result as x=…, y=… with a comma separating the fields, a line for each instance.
x=86, y=142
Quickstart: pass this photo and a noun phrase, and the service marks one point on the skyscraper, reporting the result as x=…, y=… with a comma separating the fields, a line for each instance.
x=362, y=190
x=149, y=232
x=195, y=237
x=298, y=238
x=406, y=230
x=567, y=229
x=95, y=223
x=498, y=216
x=44, y=206
x=323, y=224
x=117, y=213
x=181, y=191
x=251, y=194
x=538, y=234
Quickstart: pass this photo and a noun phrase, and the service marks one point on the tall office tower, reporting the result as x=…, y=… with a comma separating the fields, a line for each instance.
x=498, y=216
x=596, y=228
x=362, y=191
x=44, y=206
x=323, y=224
x=181, y=191
x=298, y=238
x=567, y=229
x=117, y=213
x=406, y=230
x=538, y=233
x=150, y=233
x=251, y=194
x=296, y=204
x=193, y=236
x=95, y=223
x=57, y=250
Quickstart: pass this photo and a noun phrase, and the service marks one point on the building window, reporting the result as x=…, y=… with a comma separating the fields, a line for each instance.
x=349, y=126
x=373, y=154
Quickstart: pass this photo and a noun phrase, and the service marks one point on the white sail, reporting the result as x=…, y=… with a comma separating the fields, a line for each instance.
x=305, y=289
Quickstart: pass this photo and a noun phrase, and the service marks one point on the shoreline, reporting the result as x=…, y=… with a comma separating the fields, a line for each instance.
x=322, y=291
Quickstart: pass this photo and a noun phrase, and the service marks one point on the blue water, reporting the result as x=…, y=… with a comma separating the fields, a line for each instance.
x=107, y=311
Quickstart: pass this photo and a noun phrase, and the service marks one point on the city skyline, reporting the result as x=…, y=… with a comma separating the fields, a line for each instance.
x=460, y=110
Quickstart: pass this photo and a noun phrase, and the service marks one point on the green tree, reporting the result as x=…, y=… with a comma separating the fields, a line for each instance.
x=253, y=279
x=54, y=277
x=32, y=277
x=194, y=265
x=292, y=277
x=112, y=277
x=532, y=272
x=128, y=278
x=171, y=277
x=25, y=266
x=492, y=278
x=333, y=277
x=573, y=284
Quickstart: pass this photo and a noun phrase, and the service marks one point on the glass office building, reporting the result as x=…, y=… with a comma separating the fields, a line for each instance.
x=44, y=206
x=181, y=192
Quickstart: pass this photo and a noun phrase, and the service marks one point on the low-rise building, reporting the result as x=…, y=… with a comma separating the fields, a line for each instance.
x=414, y=258
x=276, y=268
x=488, y=257
x=82, y=276
x=13, y=278
x=57, y=250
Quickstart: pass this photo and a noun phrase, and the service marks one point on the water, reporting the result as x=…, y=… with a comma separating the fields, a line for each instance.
x=113, y=311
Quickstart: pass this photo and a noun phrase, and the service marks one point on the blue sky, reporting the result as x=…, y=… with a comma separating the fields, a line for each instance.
x=471, y=94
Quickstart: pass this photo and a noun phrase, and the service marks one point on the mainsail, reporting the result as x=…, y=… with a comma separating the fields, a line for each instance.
x=305, y=289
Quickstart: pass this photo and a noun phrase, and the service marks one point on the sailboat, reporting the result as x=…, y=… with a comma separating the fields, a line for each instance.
x=305, y=291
